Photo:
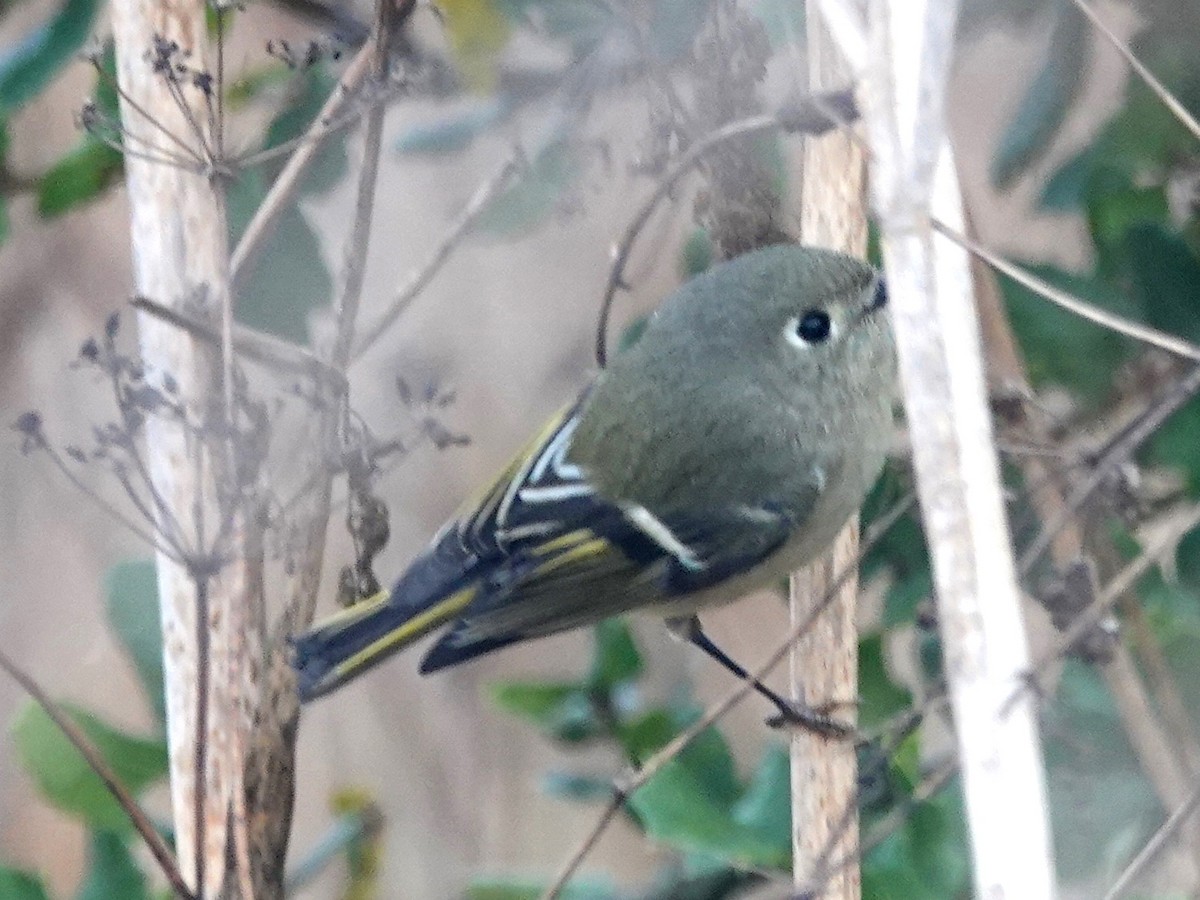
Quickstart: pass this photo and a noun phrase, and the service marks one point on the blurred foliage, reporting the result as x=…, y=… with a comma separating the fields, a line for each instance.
x=290, y=278
x=718, y=829
x=63, y=777
x=28, y=65
x=1135, y=185
x=720, y=824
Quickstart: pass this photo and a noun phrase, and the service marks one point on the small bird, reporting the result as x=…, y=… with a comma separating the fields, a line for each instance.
x=724, y=449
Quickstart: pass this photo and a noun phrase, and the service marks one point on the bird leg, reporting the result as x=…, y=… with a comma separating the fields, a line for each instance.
x=789, y=712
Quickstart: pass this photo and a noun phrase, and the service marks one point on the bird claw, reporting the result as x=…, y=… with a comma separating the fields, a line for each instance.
x=813, y=720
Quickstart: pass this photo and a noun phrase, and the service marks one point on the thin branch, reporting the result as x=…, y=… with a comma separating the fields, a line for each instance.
x=623, y=788
x=1120, y=583
x=332, y=126
x=1158, y=841
x=203, y=696
x=1168, y=99
x=287, y=182
x=420, y=279
x=1144, y=333
x=812, y=115
x=172, y=552
x=263, y=348
x=96, y=762
x=154, y=121
x=1120, y=449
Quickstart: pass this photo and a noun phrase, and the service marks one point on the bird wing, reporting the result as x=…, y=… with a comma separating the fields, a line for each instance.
x=615, y=557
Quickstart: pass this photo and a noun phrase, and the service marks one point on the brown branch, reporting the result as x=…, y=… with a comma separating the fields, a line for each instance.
x=1122, y=582
x=1062, y=534
x=420, y=279
x=1169, y=101
x=286, y=184
x=82, y=743
x=813, y=115
x=1154, y=846
x=1144, y=333
x=257, y=346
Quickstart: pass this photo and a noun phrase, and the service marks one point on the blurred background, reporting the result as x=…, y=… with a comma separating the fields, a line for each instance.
x=504, y=332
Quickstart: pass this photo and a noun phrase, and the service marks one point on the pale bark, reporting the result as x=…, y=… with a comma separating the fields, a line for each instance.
x=178, y=235
x=903, y=50
x=824, y=662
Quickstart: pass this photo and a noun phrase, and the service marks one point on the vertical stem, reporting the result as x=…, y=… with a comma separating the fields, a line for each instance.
x=824, y=662
x=178, y=236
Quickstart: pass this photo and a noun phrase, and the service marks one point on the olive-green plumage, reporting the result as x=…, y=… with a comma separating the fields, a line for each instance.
x=725, y=448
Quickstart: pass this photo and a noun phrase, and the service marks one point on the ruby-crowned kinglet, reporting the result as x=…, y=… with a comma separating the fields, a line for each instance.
x=726, y=448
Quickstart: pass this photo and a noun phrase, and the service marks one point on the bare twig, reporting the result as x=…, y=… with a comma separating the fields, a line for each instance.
x=357, y=241
x=488, y=189
x=287, y=182
x=263, y=348
x=82, y=743
x=1121, y=582
x=1169, y=100
x=1158, y=841
x=1119, y=449
x=812, y=116
x=1144, y=333
x=1150, y=737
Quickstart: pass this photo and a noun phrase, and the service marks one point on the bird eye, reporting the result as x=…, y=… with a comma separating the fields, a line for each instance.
x=814, y=327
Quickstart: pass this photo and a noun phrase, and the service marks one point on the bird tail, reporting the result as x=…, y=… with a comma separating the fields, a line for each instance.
x=360, y=637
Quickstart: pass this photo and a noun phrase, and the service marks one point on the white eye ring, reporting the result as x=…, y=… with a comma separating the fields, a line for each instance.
x=812, y=328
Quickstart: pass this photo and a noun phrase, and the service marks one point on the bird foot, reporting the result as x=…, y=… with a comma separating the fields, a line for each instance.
x=818, y=721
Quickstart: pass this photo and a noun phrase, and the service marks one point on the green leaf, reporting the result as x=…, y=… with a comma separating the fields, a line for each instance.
x=1100, y=800
x=766, y=805
x=584, y=788
x=112, y=873
x=696, y=255
x=560, y=710
x=92, y=166
x=709, y=758
x=1115, y=206
x=632, y=333
x=525, y=889
x=881, y=698
x=63, y=776
x=1066, y=190
x=900, y=553
x=455, y=131
x=1062, y=348
x=534, y=196
x=889, y=873
x=1045, y=104
x=29, y=65
x=617, y=659
x=646, y=733
x=78, y=178
x=782, y=20
x=18, y=885
x=310, y=89
x=1166, y=279
x=678, y=807
x=290, y=279
x=937, y=833
x=133, y=614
